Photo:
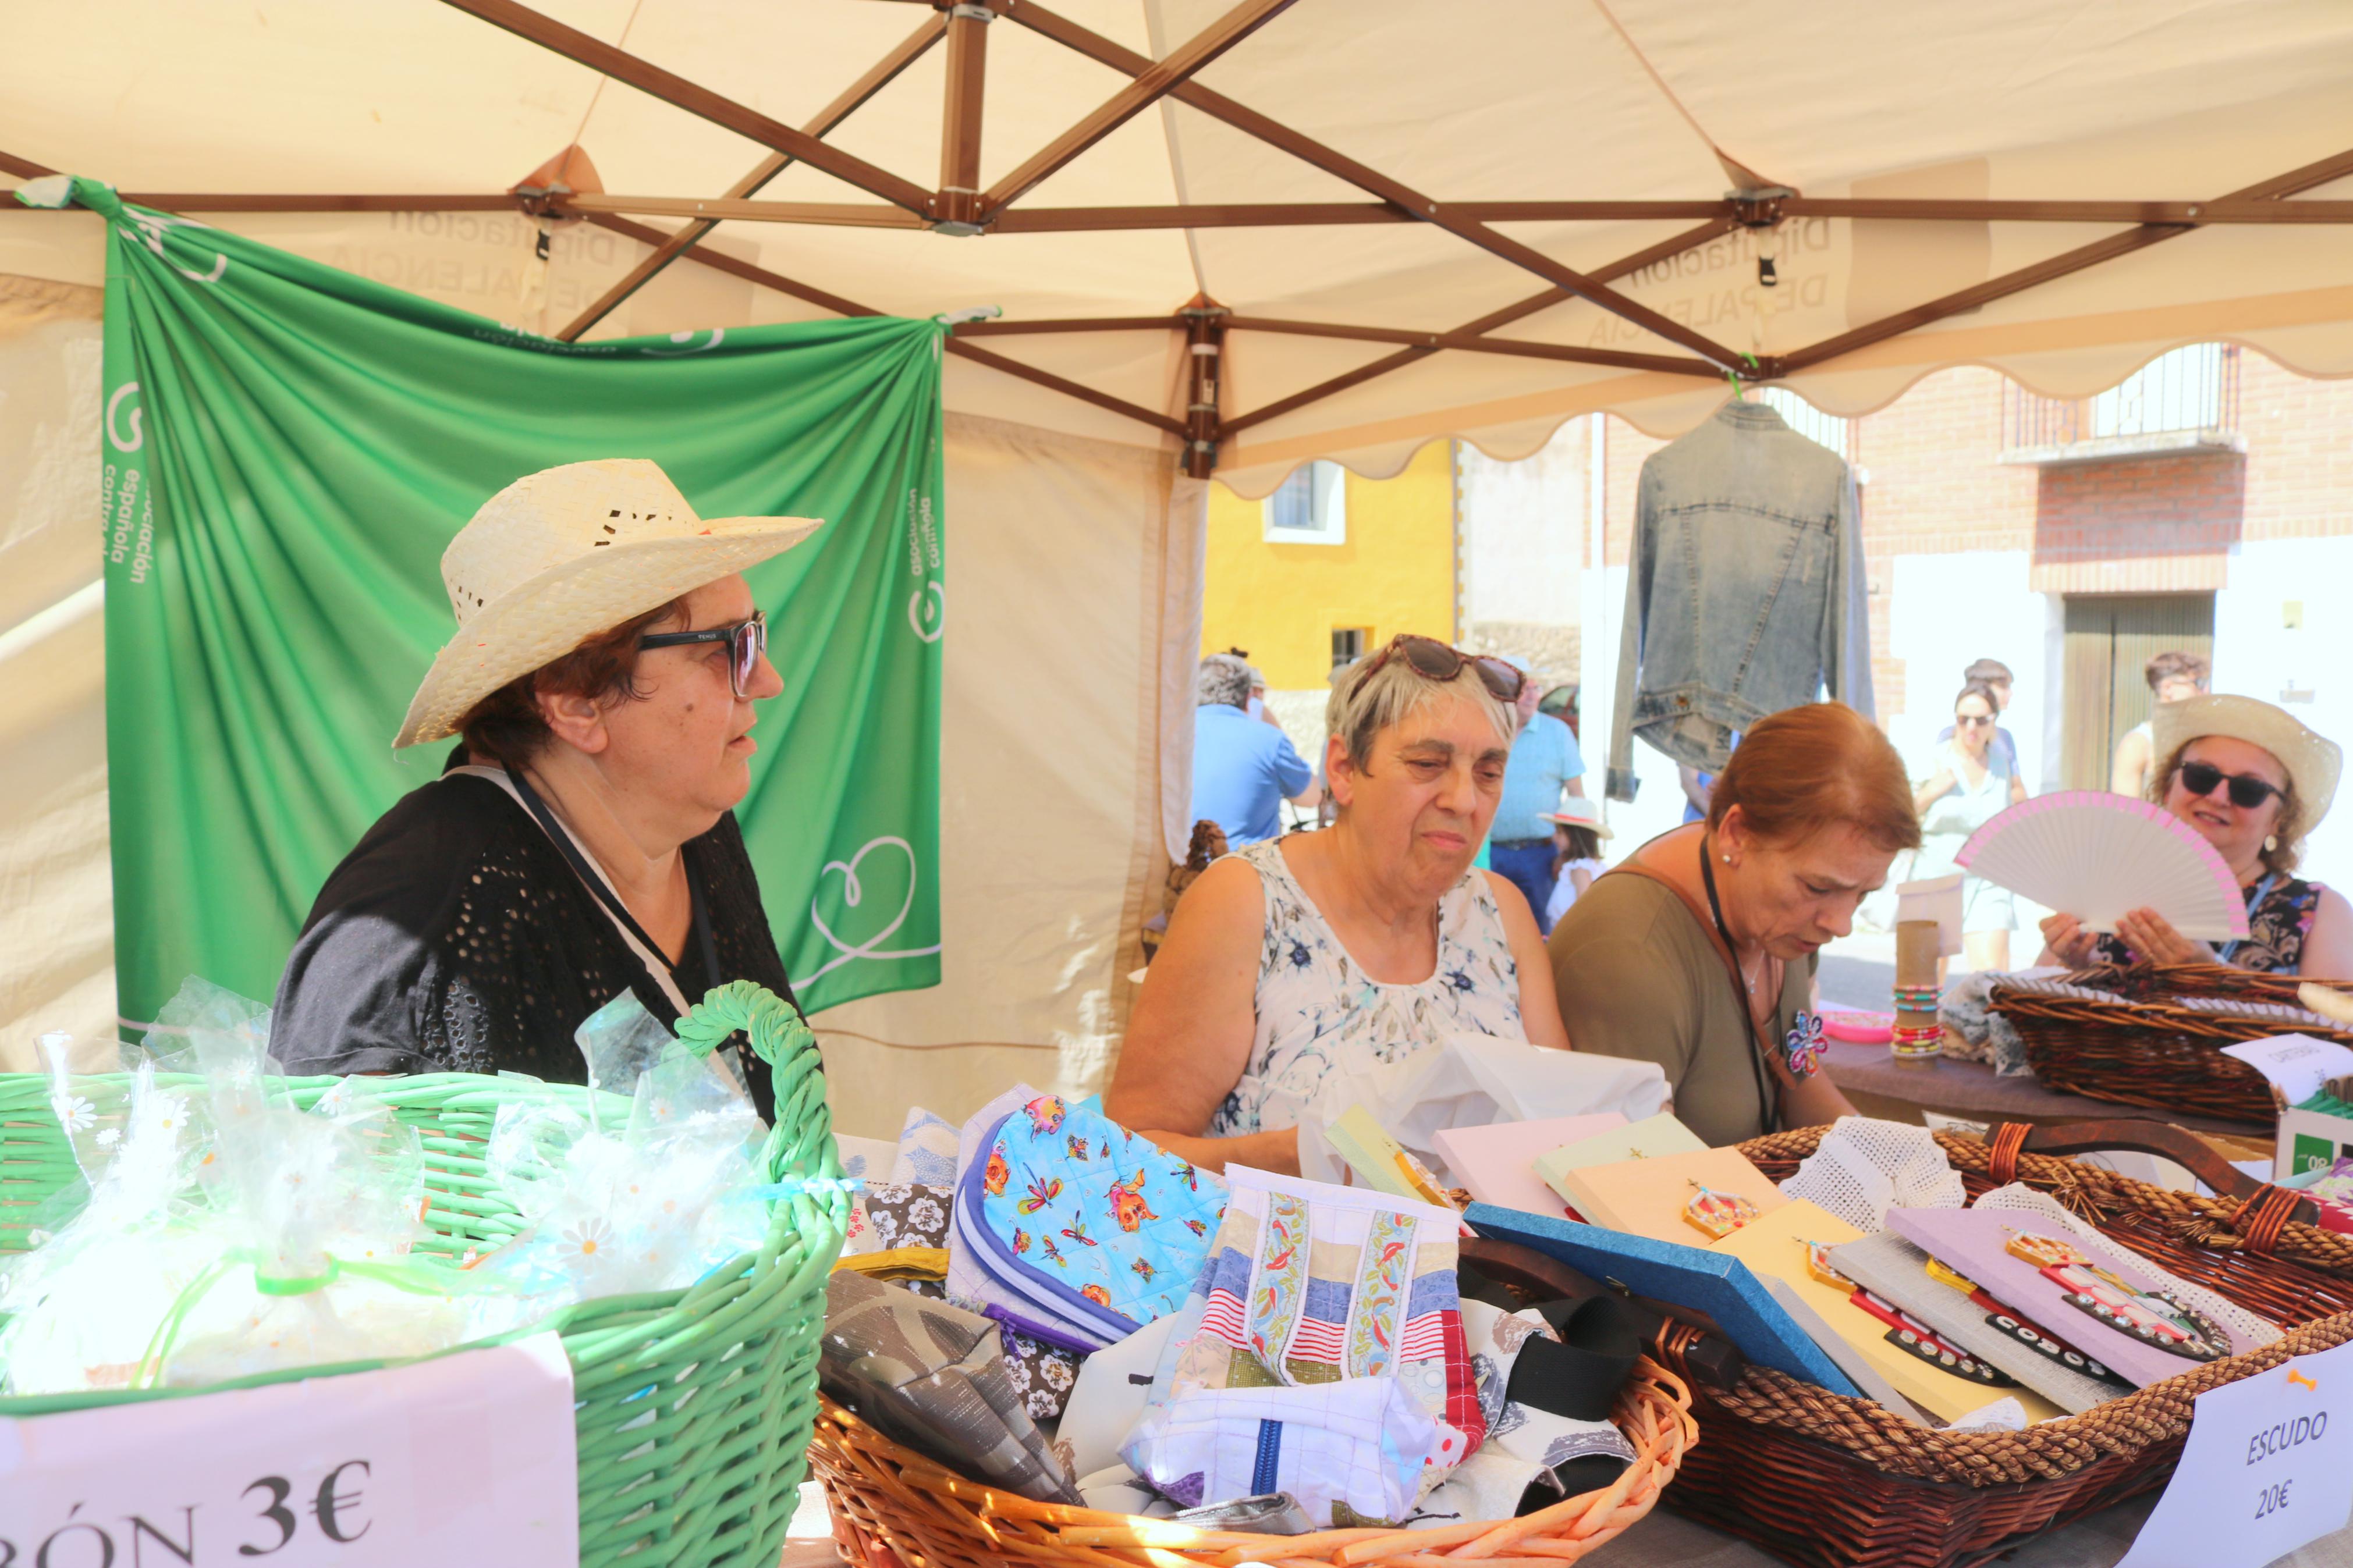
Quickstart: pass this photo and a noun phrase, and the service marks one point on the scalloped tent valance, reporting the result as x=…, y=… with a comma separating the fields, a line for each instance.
x=1275, y=230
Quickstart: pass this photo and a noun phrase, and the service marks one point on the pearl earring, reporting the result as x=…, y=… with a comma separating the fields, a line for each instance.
x=2271, y=843
x=1727, y=859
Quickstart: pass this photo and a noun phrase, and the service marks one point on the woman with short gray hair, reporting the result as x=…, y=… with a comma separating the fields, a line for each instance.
x=1367, y=942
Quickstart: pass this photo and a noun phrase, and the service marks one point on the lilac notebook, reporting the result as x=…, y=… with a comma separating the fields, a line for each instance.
x=2107, y=1310
x=1498, y=1163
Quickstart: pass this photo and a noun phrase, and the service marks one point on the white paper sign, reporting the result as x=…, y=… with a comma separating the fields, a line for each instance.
x=2268, y=1467
x=464, y=1459
x=2297, y=1065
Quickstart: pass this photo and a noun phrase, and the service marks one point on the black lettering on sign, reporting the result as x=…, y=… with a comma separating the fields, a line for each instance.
x=331, y=1503
x=139, y=1528
x=277, y=1514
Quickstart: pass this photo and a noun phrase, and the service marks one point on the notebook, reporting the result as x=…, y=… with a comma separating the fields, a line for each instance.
x=1774, y=1247
x=1894, y=1269
x=1380, y=1162
x=1693, y=1277
x=1645, y=1140
x=1497, y=1163
x=2101, y=1306
x=1654, y=1196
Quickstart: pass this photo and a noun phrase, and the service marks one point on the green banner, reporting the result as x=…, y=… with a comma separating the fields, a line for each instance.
x=288, y=449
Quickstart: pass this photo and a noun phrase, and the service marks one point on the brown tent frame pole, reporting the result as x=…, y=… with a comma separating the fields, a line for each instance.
x=675, y=90
x=1518, y=311
x=826, y=300
x=883, y=72
x=2319, y=173
x=1155, y=82
x=1102, y=50
x=958, y=200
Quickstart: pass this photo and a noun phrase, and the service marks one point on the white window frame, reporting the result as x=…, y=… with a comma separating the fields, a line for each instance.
x=1326, y=484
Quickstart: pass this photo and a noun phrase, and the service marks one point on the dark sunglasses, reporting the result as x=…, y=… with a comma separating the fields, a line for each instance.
x=2247, y=792
x=1434, y=661
x=1972, y=720
x=747, y=644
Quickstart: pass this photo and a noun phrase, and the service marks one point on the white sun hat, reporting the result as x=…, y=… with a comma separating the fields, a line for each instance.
x=1576, y=811
x=565, y=553
x=2313, y=761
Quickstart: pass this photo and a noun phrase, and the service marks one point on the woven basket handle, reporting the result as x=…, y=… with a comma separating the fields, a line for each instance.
x=2147, y=1137
x=802, y=1141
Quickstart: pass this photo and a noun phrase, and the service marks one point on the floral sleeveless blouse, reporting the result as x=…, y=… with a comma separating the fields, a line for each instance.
x=1316, y=1010
x=2279, y=917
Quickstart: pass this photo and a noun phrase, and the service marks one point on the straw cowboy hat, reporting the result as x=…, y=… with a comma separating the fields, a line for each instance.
x=560, y=555
x=1576, y=811
x=2313, y=761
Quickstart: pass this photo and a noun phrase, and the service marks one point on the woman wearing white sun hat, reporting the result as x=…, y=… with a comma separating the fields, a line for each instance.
x=581, y=839
x=2253, y=781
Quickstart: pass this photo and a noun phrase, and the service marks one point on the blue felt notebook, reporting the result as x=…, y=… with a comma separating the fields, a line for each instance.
x=1692, y=1277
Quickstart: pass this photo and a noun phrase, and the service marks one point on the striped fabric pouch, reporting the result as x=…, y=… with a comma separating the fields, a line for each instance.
x=1308, y=1284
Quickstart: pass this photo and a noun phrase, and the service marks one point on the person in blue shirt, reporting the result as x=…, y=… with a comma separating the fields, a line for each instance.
x=1243, y=768
x=1544, y=761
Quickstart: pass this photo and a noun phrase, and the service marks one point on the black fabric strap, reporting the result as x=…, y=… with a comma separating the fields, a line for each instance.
x=1768, y=1094
x=606, y=896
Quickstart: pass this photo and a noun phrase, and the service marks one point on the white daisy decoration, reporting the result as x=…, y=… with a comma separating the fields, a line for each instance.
x=107, y=1137
x=75, y=1114
x=589, y=1237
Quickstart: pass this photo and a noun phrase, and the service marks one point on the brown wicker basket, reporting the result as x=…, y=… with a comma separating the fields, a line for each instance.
x=2148, y=1050
x=922, y=1514
x=1827, y=1481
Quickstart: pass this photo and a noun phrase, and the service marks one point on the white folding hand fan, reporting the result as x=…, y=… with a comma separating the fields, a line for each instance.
x=2099, y=857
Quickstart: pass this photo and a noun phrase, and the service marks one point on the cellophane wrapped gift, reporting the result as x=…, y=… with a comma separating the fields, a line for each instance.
x=224, y=1231
x=649, y=1192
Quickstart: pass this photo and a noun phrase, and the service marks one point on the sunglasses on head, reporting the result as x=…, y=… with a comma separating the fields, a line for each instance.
x=747, y=644
x=2247, y=792
x=1434, y=661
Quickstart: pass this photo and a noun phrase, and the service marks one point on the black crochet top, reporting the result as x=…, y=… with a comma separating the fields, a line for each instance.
x=456, y=938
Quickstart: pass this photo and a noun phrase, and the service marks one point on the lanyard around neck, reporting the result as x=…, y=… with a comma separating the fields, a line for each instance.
x=1769, y=1099
x=606, y=896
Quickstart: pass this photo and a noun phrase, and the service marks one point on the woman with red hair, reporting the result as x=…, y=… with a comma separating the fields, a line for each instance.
x=1698, y=951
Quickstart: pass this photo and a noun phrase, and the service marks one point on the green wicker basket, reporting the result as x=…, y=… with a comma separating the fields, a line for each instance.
x=709, y=1474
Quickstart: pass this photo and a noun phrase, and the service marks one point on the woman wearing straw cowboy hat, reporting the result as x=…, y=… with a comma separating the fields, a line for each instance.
x=581, y=840
x=2254, y=782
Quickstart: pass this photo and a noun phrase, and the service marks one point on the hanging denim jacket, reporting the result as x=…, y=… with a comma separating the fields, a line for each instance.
x=1746, y=593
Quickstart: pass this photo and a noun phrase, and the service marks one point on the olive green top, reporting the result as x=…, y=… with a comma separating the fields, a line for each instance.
x=1639, y=977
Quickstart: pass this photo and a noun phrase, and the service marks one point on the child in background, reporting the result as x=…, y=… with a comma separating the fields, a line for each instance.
x=1578, y=832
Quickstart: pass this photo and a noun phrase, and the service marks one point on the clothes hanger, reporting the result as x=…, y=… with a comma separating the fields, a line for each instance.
x=1739, y=390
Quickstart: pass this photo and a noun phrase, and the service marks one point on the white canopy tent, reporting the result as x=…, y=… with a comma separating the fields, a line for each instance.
x=1224, y=238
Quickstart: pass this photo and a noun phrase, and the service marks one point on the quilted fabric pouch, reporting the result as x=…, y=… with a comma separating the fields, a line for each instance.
x=1310, y=1284
x=1349, y=1452
x=1091, y=1228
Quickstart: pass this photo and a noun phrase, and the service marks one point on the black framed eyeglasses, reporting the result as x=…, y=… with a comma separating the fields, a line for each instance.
x=2247, y=792
x=747, y=644
x=1435, y=661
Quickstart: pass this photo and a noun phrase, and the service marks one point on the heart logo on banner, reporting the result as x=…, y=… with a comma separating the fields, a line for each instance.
x=853, y=894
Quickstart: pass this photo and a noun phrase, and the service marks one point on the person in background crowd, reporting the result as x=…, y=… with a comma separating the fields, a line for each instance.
x=2173, y=675
x=1696, y=785
x=1368, y=943
x=1545, y=764
x=1966, y=784
x=1697, y=951
x=1578, y=834
x=1243, y=769
x=1994, y=675
x=2254, y=782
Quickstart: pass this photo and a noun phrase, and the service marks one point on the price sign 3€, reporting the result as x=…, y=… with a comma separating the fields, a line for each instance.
x=2268, y=1467
x=464, y=1459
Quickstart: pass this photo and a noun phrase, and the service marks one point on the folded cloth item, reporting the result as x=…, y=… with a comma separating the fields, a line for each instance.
x=1107, y=1398
x=1309, y=1282
x=865, y=1159
x=1986, y=1035
x=1349, y=1452
x=927, y=1150
x=892, y=1216
x=1562, y=1390
x=1116, y=1489
x=931, y=1376
x=1072, y=1220
x=1864, y=1166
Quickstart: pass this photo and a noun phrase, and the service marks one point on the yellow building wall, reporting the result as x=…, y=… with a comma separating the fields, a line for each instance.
x=1282, y=602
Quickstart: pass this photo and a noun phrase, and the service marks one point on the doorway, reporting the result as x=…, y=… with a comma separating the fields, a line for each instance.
x=2110, y=637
